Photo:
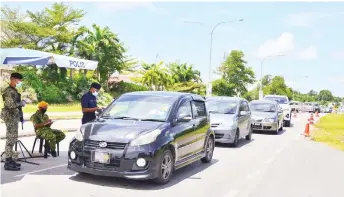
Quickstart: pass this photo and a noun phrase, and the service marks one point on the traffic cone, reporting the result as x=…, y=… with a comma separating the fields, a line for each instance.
x=306, y=134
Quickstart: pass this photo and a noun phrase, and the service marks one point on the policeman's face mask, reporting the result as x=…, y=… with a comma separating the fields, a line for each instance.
x=95, y=92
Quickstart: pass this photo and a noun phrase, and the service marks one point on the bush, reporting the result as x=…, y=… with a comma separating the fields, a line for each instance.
x=120, y=88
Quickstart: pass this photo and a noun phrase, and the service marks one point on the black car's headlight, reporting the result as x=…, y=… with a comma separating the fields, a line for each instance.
x=146, y=138
x=79, y=134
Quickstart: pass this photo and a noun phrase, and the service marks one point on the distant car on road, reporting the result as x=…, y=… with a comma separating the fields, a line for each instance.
x=283, y=101
x=311, y=107
x=230, y=118
x=295, y=106
x=266, y=116
x=144, y=135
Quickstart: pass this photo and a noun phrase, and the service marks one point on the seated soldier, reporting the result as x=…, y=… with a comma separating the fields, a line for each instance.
x=42, y=125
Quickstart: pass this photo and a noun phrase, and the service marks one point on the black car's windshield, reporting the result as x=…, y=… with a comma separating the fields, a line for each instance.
x=263, y=107
x=222, y=106
x=280, y=100
x=140, y=107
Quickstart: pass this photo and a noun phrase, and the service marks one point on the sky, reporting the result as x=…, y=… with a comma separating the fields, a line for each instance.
x=309, y=35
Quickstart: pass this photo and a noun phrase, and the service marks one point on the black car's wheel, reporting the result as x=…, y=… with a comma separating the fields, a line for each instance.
x=165, y=168
x=209, y=150
x=249, y=136
x=236, y=139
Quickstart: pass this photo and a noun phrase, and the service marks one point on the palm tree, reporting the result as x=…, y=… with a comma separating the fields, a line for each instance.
x=155, y=76
x=102, y=45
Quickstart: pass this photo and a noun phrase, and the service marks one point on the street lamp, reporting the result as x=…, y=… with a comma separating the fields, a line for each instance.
x=209, y=89
x=261, y=75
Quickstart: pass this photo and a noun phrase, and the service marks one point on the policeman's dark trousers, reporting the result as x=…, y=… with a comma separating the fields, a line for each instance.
x=11, y=137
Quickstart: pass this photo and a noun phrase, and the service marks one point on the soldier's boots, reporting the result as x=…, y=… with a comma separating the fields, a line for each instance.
x=11, y=165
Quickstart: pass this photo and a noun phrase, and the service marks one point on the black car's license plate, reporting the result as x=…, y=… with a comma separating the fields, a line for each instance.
x=101, y=157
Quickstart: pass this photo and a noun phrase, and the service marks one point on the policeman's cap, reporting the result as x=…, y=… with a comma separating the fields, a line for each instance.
x=17, y=76
x=96, y=86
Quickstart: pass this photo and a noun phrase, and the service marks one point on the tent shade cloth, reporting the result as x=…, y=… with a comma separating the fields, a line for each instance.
x=19, y=56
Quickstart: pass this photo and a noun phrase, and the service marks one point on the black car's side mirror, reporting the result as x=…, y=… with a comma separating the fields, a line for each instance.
x=184, y=118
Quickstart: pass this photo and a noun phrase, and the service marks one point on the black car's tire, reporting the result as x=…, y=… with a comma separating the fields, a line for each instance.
x=249, y=136
x=209, y=150
x=236, y=139
x=166, y=167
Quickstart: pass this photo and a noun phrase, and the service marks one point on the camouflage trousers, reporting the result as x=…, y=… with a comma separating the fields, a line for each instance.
x=11, y=137
x=52, y=136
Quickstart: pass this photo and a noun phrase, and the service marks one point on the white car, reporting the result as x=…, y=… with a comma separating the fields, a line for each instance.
x=283, y=101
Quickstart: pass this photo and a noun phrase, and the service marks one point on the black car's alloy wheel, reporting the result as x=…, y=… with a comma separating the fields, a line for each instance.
x=166, y=168
x=209, y=150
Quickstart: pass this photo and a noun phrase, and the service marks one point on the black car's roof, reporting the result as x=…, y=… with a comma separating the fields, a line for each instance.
x=264, y=101
x=166, y=93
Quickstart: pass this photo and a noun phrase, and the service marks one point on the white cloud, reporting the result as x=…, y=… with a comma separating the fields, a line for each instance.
x=307, y=19
x=308, y=53
x=278, y=46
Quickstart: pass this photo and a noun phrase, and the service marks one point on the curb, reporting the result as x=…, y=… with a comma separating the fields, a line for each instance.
x=30, y=134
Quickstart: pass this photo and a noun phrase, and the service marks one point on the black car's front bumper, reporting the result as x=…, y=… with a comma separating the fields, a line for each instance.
x=122, y=161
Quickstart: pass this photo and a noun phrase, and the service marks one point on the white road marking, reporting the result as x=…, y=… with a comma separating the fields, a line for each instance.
x=279, y=150
x=232, y=193
x=252, y=175
x=270, y=160
x=41, y=170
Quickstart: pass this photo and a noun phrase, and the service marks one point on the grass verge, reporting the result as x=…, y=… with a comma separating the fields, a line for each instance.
x=330, y=130
x=56, y=108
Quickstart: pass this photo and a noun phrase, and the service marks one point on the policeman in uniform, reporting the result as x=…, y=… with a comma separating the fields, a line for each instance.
x=11, y=114
x=89, y=103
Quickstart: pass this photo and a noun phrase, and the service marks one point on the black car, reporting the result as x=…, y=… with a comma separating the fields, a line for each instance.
x=144, y=135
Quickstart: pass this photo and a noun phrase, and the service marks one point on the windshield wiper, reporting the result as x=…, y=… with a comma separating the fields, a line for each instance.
x=125, y=118
x=150, y=119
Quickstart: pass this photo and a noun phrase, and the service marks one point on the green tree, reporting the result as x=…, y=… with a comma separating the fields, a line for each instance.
x=234, y=74
x=325, y=95
x=102, y=45
x=278, y=87
x=155, y=76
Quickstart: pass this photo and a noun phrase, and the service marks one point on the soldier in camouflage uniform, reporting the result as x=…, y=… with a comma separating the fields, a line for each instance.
x=11, y=114
x=42, y=125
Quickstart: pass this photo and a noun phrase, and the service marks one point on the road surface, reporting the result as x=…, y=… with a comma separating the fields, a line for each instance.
x=284, y=165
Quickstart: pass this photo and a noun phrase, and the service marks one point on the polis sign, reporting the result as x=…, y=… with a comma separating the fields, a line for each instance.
x=76, y=64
